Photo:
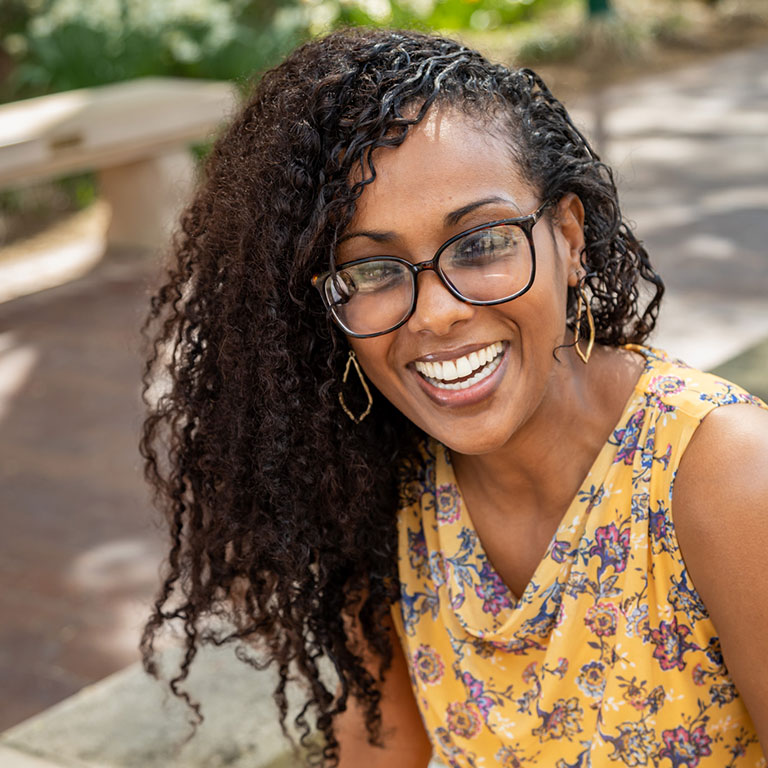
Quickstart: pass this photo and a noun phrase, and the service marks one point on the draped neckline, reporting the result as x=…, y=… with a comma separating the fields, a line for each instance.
x=455, y=531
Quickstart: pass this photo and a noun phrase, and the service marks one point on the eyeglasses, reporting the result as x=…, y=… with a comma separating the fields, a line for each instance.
x=484, y=265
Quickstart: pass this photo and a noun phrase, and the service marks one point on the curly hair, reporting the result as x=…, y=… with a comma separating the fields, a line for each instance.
x=281, y=510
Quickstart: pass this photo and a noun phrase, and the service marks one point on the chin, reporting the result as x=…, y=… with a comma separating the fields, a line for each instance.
x=470, y=442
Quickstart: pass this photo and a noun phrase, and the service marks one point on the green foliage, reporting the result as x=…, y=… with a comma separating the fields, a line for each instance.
x=448, y=15
x=58, y=45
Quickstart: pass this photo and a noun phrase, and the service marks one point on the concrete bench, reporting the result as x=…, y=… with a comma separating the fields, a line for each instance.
x=134, y=134
x=129, y=720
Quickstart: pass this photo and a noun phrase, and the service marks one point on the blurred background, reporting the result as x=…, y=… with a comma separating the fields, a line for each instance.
x=673, y=92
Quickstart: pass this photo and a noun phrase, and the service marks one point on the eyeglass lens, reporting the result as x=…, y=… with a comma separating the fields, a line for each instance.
x=484, y=266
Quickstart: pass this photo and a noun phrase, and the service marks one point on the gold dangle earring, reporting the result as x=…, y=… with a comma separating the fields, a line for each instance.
x=583, y=302
x=352, y=360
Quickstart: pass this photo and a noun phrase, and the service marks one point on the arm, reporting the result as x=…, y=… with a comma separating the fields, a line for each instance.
x=720, y=510
x=405, y=742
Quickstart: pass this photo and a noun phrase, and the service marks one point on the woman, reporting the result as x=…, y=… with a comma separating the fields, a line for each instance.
x=411, y=429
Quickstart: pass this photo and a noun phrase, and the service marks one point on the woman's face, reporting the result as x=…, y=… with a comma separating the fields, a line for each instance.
x=449, y=165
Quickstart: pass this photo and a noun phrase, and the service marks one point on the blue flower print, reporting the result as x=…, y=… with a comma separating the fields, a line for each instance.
x=637, y=621
x=715, y=653
x=412, y=606
x=591, y=679
x=628, y=438
x=562, y=721
x=686, y=600
x=417, y=551
x=545, y=619
x=438, y=568
x=634, y=744
x=723, y=693
x=660, y=527
x=448, y=509
x=639, y=506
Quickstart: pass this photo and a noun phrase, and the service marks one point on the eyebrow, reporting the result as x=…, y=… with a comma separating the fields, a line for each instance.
x=450, y=219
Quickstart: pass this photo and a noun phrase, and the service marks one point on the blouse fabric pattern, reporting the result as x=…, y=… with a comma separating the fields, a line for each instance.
x=609, y=658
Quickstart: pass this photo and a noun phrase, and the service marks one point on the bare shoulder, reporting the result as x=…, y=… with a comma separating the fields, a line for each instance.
x=725, y=466
x=720, y=512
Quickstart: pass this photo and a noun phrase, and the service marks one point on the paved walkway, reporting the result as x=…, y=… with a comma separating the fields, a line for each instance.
x=79, y=552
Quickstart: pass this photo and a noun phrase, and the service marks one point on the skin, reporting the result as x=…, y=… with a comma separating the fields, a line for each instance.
x=534, y=435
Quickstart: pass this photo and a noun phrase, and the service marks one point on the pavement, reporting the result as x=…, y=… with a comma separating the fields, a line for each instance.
x=81, y=546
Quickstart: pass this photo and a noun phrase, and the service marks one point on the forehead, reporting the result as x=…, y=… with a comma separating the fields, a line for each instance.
x=448, y=160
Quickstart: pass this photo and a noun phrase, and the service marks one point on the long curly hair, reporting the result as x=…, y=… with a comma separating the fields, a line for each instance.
x=281, y=510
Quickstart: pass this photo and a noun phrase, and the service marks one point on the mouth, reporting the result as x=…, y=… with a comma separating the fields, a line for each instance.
x=463, y=372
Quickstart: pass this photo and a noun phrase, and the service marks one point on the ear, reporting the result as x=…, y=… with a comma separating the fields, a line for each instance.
x=569, y=220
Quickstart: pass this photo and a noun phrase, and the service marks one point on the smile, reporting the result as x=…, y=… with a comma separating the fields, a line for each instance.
x=465, y=371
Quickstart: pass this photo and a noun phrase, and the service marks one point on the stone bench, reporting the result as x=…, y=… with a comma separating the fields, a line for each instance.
x=135, y=135
x=129, y=720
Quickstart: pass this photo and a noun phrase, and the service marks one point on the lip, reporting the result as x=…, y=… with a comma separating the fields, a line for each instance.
x=454, y=354
x=455, y=398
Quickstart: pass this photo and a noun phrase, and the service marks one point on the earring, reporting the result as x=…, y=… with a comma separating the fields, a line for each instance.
x=583, y=302
x=352, y=360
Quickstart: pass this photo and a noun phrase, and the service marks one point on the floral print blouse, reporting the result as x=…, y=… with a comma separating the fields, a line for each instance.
x=609, y=658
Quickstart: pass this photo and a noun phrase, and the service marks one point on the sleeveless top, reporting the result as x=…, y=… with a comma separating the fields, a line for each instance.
x=609, y=658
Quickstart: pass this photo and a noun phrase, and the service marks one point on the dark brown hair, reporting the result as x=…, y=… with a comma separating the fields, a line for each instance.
x=281, y=510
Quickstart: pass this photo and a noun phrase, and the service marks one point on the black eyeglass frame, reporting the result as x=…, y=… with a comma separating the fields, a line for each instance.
x=526, y=224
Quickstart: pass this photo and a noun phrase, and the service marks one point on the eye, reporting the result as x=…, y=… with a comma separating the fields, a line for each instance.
x=487, y=246
x=375, y=275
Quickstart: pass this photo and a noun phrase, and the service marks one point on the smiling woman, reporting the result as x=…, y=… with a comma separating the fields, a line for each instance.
x=481, y=541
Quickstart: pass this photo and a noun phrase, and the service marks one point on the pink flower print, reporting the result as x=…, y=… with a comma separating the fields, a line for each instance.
x=612, y=547
x=685, y=747
x=492, y=590
x=447, y=497
x=602, y=618
x=666, y=385
x=477, y=694
x=463, y=719
x=428, y=665
x=671, y=644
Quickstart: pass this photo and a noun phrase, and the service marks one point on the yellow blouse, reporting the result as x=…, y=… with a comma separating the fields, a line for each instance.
x=609, y=658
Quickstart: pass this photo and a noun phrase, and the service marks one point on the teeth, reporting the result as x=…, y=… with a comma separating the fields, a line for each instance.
x=443, y=375
x=463, y=367
x=449, y=371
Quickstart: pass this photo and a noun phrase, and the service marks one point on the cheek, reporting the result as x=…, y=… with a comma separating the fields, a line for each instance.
x=374, y=358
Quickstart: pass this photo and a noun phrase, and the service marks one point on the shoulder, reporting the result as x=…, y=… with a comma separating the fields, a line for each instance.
x=725, y=461
x=720, y=501
x=720, y=513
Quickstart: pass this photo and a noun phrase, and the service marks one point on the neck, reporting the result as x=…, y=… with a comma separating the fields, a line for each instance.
x=544, y=463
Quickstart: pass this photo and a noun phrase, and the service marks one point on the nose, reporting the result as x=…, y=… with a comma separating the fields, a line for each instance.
x=437, y=309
